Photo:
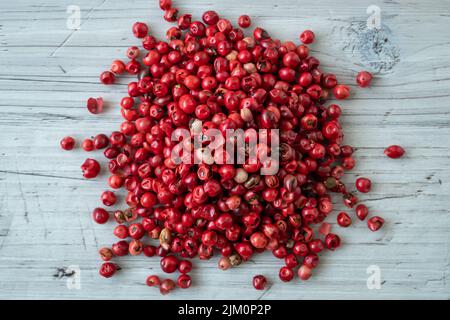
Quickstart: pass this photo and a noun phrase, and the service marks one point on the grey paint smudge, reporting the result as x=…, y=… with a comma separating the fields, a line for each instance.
x=63, y=272
x=373, y=48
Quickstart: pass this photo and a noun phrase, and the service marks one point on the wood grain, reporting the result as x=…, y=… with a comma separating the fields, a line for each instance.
x=48, y=71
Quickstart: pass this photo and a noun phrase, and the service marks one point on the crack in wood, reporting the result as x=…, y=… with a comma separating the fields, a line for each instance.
x=40, y=175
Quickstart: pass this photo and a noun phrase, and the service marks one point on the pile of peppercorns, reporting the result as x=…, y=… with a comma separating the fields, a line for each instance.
x=211, y=73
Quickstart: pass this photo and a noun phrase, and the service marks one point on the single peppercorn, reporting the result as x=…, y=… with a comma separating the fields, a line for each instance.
x=87, y=145
x=108, y=198
x=307, y=37
x=106, y=254
x=90, y=168
x=363, y=79
x=184, y=281
x=259, y=282
x=117, y=67
x=341, y=92
x=344, y=220
x=332, y=241
x=286, y=274
x=140, y=30
x=166, y=286
x=304, y=272
x=169, y=264
x=108, y=269
x=394, y=152
x=95, y=105
x=375, y=223
x=363, y=185
x=67, y=143
x=100, y=215
x=244, y=21
x=152, y=281
x=107, y=77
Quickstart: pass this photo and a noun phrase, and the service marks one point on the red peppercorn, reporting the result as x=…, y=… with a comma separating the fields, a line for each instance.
x=171, y=15
x=344, y=220
x=140, y=29
x=286, y=274
x=133, y=52
x=210, y=17
x=135, y=248
x=260, y=34
x=307, y=37
x=108, y=269
x=148, y=200
x=87, y=145
x=100, y=215
x=185, y=266
x=375, y=223
x=394, y=152
x=184, y=21
x=258, y=240
x=115, y=181
x=117, y=67
x=107, y=77
x=348, y=163
x=350, y=200
x=90, y=168
x=363, y=185
x=259, y=282
x=332, y=241
x=95, y=105
x=341, y=92
x=67, y=143
x=300, y=249
x=315, y=245
x=304, y=272
x=106, y=254
x=120, y=248
x=291, y=261
x=184, y=281
x=166, y=286
x=363, y=79
x=108, y=198
x=197, y=29
x=311, y=260
x=361, y=211
x=280, y=252
x=244, y=250
x=169, y=264
x=244, y=21
x=121, y=231
x=209, y=238
x=153, y=281
x=101, y=141
x=325, y=228
x=165, y=4
x=136, y=231
x=224, y=263
x=149, y=251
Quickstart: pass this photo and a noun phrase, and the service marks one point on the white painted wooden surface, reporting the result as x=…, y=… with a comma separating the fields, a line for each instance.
x=48, y=71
